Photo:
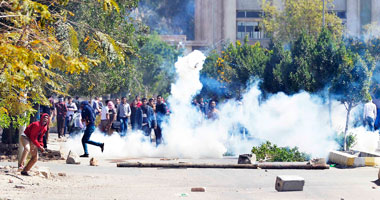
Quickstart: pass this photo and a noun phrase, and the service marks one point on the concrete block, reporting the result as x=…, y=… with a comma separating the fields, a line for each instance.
x=247, y=159
x=289, y=183
x=342, y=158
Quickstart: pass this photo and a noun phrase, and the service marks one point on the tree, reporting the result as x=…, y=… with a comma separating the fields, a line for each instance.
x=286, y=23
x=279, y=58
x=326, y=60
x=121, y=35
x=352, y=82
x=36, y=42
x=237, y=65
x=156, y=65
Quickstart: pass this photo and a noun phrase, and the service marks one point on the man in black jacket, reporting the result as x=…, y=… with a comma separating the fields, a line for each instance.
x=136, y=116
x=88, y=117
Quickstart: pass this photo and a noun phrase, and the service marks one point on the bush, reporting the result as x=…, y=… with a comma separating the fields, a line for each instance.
x=272, y=153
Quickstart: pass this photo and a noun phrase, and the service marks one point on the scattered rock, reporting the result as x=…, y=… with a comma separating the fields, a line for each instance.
x=198, y=189
x=61, y=174
x=19, y=187
x=266, y=170
x=93, y=162
x=10, y=181
x=45, y=172
x=373, y=187
x=246, y=158
x=72, y=158
x=317, y=161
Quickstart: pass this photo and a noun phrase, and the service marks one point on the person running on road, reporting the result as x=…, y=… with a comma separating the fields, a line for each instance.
x=88, y=116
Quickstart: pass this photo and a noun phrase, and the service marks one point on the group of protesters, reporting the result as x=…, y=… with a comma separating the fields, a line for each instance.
x=74, y=116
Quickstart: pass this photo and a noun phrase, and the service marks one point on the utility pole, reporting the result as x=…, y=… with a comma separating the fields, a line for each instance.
x=323, y=14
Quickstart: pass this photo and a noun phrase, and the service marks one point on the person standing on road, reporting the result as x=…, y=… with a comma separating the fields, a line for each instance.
x=61, y=115
x=32, y=140
x=161, y=114
x=88, y=117
x=369, y=115
x=213, y=111
x=149, y=118
x=123, y=113
x=71, y=109
x=103, y=119
x=136, y=116
x=111, y=117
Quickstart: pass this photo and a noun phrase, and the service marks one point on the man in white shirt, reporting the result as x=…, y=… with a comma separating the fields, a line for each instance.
x=123, y=112
x=71, y=109
x=103, y=118
x=369, y=115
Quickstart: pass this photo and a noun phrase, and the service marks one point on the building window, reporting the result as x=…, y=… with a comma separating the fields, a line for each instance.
x=252, y=29
x=341, y=14
x=249, y=14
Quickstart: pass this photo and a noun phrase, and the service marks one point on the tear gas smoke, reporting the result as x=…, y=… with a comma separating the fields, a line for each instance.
x=300, y=120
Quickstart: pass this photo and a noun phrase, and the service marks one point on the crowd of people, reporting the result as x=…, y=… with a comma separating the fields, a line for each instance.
x=73, y=116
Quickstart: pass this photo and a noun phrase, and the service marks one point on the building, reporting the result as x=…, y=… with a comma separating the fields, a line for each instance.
x=218, y=21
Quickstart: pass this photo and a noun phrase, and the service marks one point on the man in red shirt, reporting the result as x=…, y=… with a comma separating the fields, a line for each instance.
x=32, y=140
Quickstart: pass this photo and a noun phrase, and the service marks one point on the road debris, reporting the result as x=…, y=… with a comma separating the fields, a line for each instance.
x=289, y=183
x=72, y=158
x=198, y=189
x=93, y=162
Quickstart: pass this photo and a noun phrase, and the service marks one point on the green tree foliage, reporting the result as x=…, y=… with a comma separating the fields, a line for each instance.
x=236, y=65
x=156, y=66
x=115, y=33
x=299, y=76
x=278, y=60
x=270, y=152
x=352, y=81
x=285, y=24
x=38, y=43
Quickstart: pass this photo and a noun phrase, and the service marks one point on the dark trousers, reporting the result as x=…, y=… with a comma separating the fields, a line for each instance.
x=123, y=125
x=86, y=138
x=67, y=123
x=158, y=133
x=45, y=138
x=146, y=130
x=61, y=126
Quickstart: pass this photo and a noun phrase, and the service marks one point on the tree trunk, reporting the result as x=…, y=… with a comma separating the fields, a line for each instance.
x=346, y=128
x=330, y=110
x=10, y=135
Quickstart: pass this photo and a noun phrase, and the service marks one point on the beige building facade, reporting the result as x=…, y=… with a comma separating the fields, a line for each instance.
x=218, y=21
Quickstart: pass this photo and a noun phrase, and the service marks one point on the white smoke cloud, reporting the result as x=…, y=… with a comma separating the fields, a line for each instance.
x=300, y=120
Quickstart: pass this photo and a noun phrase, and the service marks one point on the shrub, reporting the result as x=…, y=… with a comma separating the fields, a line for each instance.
x=270, y=152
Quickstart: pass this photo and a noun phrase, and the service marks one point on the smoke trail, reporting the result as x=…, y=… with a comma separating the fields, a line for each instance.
x=299, y=120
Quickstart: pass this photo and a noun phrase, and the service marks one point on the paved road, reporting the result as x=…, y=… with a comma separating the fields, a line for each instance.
x=109, y=182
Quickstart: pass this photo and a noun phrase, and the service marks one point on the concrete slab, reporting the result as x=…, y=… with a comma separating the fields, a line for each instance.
x=350, y=160
x=289, y=183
